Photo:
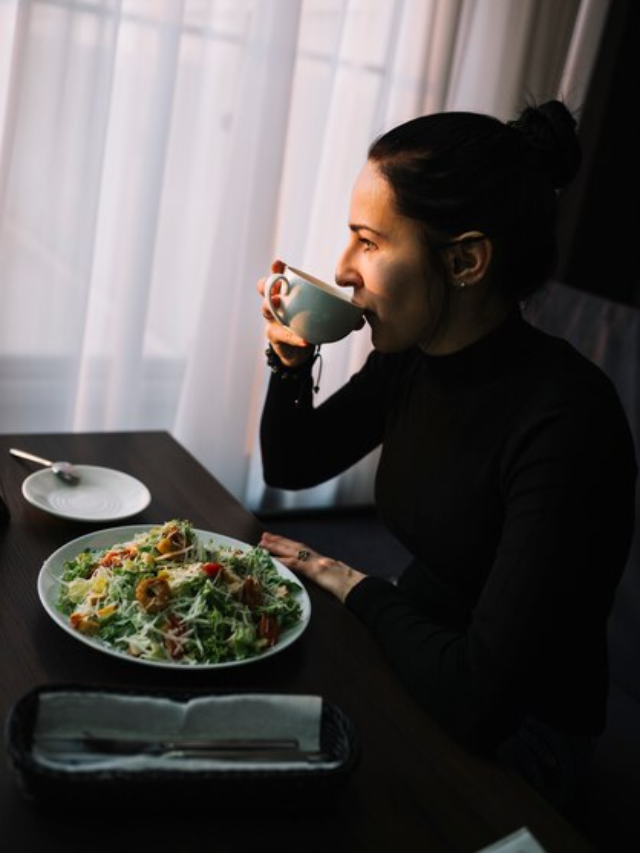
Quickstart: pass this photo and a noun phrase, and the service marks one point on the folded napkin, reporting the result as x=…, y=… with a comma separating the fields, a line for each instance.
x=69, y=725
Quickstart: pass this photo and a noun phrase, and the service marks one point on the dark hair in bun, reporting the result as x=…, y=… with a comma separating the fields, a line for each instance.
x=462, y=171
x=550, y=131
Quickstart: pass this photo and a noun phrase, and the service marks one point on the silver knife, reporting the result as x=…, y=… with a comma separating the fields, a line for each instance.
x=232, y=749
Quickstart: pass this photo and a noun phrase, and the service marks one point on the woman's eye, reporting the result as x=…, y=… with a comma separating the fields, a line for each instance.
x=368, y=245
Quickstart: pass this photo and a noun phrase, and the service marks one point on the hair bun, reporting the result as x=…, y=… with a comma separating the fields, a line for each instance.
x=550, y=130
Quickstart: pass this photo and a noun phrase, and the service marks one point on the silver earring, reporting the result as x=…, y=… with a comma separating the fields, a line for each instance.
x=459, y=284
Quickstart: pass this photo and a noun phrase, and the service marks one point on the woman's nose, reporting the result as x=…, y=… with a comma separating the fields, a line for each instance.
x=346, y=275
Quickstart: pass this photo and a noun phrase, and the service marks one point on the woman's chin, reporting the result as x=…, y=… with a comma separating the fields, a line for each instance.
x=385, y=342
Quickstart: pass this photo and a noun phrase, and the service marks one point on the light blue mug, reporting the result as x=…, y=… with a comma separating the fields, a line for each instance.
x=312, y=309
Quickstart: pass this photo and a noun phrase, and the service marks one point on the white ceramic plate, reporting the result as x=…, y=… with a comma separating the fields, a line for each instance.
x=52, y=568
x=102, y=494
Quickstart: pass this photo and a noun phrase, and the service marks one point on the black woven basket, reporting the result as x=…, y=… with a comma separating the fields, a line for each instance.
x=309, y=787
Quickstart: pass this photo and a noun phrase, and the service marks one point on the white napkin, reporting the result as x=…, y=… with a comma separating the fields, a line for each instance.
x=520, y=841
x=265, y=716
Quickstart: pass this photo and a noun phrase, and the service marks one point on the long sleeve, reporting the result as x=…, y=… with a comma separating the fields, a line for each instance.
x=508, y=471
x=301, y=445
x=534, y=639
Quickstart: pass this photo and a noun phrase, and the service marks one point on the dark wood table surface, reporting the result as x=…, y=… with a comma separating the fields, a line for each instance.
x=413, y=790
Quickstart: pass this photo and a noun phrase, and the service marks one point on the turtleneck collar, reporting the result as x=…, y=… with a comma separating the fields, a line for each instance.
x=481, y=361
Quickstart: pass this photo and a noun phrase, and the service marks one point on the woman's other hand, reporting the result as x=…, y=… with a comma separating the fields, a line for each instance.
x=336, y=577
x=290, y=349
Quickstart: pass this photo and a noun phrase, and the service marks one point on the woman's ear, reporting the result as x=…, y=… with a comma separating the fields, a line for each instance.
x=469, y=257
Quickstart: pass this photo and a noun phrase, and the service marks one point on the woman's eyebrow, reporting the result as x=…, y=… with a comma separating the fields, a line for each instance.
x=355, y=227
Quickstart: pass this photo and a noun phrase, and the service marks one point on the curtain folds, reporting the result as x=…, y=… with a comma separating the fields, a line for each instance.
x=156, y=155
x=215, y=416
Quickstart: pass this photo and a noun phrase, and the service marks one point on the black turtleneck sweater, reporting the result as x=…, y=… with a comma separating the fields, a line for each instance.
x=508, y=471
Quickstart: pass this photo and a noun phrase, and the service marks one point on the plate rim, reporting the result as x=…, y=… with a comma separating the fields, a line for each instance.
x=45, y=473
x=46, y=573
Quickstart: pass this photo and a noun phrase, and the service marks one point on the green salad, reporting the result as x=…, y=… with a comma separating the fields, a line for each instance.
x=167, y=596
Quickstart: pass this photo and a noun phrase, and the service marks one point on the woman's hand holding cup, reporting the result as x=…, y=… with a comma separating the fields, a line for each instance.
x=308, y=311
x=291, y=349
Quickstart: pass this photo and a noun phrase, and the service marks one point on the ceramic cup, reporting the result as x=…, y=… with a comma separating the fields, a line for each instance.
x=312, y=309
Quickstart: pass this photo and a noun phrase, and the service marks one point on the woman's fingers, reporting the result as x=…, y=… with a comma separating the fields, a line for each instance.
x=290, y=348
x=277, y=266
x=282, y=547
x=280, y=337
x=333, y=575
x=295, y=555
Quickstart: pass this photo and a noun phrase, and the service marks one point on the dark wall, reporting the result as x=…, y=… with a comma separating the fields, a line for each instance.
x=600, y=212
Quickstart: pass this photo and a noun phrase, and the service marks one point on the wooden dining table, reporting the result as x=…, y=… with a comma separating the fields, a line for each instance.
x=413, y=789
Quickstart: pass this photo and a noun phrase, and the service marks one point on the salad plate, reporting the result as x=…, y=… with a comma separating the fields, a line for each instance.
x=103, y=494
x=54, y=586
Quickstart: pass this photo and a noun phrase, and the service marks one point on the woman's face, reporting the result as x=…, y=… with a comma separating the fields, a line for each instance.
x=386, y=262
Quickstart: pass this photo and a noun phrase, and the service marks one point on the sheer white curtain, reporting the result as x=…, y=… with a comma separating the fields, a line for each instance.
x=157, y=154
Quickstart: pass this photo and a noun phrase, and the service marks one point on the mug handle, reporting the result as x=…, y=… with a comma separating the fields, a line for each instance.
x=273, y=279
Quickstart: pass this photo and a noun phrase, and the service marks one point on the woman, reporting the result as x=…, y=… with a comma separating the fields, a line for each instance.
x=507, y=467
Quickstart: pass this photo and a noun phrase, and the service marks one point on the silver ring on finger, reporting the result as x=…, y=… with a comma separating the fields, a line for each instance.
x=302, y=555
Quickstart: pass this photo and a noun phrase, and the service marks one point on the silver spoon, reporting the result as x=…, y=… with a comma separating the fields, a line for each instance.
x=64, y=470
